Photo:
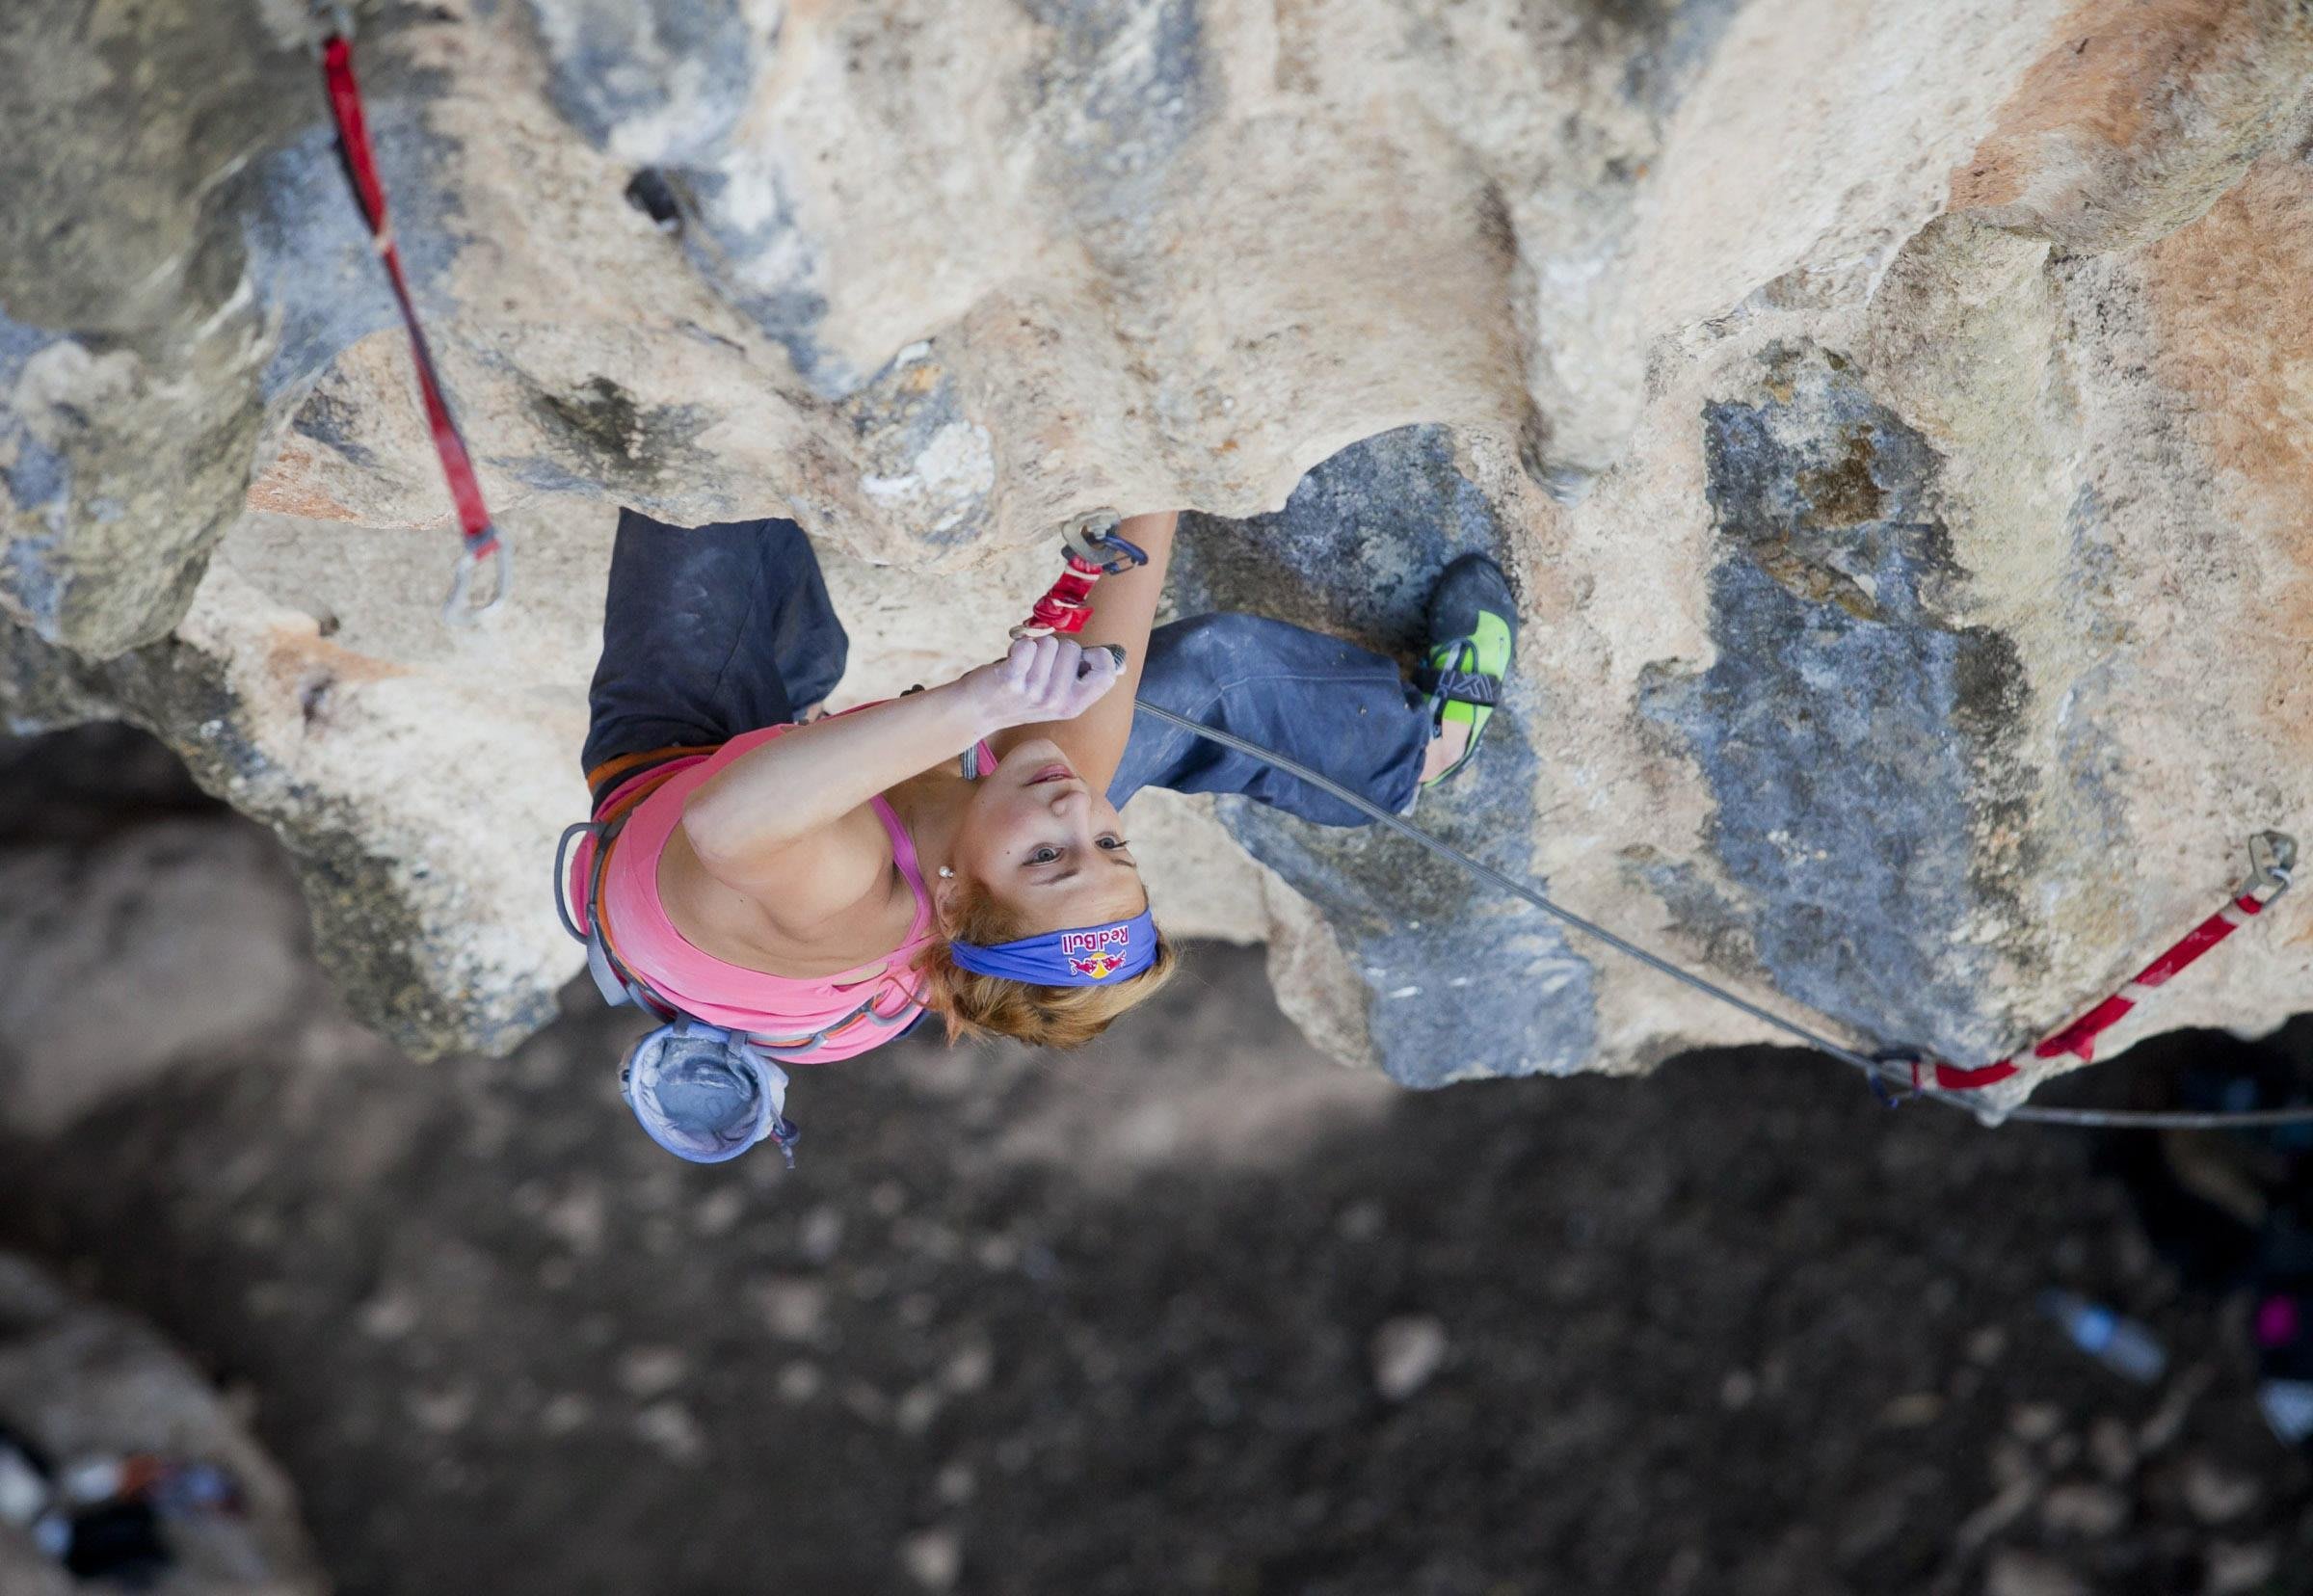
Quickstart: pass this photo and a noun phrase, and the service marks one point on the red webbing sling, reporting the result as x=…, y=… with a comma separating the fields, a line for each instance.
x=2273, y=857
x=482, y=540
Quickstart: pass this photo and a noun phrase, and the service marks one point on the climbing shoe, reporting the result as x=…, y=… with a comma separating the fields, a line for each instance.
x=1473, y=629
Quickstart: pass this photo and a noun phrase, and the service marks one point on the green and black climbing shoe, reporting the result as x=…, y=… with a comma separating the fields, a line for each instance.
x=1473, y=629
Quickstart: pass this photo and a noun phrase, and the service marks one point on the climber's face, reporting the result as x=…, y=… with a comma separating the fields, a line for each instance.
x=1039, y=841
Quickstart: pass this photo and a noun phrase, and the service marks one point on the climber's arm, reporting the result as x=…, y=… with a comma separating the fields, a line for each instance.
x=787, y=821
x=794, y=808
x=1124, y=610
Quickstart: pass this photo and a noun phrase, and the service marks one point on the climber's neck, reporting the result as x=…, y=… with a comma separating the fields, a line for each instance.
x=931, y=806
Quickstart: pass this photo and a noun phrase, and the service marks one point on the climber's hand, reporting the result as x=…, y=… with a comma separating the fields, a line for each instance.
x=1042, y=678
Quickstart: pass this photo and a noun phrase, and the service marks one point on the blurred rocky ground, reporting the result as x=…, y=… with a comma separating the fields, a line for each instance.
x=123, y=1469
x=1196, y=1310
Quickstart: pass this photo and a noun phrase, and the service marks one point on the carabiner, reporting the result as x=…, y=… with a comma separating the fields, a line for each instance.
x=1896, y=1057
x=1092, y=538
x=459, y=609
x=784, y=1134
x=2271, y=862
x=331, y=20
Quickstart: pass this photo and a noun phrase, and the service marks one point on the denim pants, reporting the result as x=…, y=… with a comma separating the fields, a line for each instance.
x=713, y=630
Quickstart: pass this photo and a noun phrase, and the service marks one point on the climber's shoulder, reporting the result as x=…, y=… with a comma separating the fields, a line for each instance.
x=796, y=892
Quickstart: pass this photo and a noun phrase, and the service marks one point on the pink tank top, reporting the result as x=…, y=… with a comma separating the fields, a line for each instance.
x=798, y=1018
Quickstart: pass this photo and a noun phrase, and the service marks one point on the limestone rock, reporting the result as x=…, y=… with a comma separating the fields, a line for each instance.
x=133, y=337
x=1894, y=416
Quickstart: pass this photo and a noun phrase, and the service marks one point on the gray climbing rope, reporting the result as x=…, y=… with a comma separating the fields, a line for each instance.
x=1876, y=1070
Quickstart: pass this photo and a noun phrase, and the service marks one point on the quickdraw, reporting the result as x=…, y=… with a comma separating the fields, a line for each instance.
x=1094, y=551
x=483, y=544
x=2272, y=864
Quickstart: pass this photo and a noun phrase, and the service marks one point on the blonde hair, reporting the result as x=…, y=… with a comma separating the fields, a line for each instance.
x=978, y=1007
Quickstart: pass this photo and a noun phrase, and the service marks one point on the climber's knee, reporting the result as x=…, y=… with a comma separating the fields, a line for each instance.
x=1202, y=650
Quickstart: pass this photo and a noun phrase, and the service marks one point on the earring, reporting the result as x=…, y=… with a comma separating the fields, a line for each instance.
x=946, y=874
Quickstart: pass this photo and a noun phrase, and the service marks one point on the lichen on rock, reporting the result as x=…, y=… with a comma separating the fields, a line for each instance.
x=1892, y=415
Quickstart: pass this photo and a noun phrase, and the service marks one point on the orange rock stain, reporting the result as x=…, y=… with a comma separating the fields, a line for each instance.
x=2104, y=75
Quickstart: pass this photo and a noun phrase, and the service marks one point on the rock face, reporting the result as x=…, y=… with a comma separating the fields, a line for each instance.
x=1895, y=418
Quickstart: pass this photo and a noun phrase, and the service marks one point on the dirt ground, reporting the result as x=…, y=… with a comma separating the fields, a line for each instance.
x=1194, y=1310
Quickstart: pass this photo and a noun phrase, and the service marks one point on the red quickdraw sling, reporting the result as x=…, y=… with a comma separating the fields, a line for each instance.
x=1094, y=551
x=2273, y=859
x=483, y=544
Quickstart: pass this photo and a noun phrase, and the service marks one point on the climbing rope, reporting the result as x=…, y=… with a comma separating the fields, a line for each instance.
x=483, y=544
x=2272, y=863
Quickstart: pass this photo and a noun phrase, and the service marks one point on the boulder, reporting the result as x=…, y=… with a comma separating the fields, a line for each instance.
x=1894, y=417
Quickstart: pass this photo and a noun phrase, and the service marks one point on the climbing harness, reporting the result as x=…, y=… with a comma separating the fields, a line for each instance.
x=1094, y=550
x=704, y=1091
x=2274, y=858
x=483, y=544
x=686, y=1073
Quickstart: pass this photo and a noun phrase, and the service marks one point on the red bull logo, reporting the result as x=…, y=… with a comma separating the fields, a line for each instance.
x=1098, y=954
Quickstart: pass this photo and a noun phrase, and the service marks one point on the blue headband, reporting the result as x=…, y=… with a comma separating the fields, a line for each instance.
x=1093, y=956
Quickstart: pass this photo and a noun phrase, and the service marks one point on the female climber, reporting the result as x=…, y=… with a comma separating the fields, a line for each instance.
x=817, y=883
